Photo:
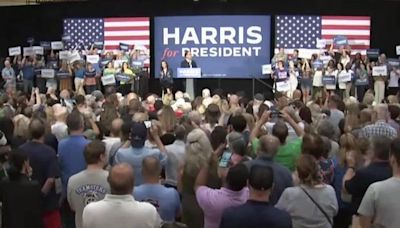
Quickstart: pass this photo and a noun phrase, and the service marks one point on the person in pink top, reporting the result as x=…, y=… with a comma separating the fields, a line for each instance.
x=213, y=202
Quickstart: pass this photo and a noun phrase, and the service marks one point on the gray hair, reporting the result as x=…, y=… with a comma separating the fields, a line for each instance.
x=198, y=151
x=325, y=128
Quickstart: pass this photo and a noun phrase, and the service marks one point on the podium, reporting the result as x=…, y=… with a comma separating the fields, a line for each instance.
x=189, y=74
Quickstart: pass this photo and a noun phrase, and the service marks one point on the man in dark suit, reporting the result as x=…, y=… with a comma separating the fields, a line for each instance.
x=188, y=62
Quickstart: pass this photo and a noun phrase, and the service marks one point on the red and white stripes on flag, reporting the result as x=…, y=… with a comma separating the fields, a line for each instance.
x=131, y=30
x=355, y=28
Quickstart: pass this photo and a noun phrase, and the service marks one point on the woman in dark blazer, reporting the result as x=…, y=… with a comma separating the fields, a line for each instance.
x=166, y=77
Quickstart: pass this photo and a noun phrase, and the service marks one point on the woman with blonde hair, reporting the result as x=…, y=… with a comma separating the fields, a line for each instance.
x=198, y=154
x=21, y=129
x=167, y=118
x=352, y=117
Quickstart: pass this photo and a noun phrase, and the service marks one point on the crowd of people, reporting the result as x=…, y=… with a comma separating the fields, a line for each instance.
x=107, y=157
x=82, y=70
x=335, y=72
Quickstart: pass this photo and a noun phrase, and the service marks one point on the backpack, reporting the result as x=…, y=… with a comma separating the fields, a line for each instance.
x=327, y=170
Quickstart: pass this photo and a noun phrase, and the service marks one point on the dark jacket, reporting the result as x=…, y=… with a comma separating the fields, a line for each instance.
x=185, y=64
x=22, y=203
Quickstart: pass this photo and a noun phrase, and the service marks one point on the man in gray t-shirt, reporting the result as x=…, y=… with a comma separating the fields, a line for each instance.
x=91, y=184
x=381, y=203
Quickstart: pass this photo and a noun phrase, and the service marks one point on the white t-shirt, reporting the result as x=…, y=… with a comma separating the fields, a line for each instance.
x=121, y=211
x=393, y=80
x=382, y=203
x=109, y=142
x=317, y=79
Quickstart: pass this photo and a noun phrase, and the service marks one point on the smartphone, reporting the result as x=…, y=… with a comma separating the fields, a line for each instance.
x=225, y=159
x=147, y=124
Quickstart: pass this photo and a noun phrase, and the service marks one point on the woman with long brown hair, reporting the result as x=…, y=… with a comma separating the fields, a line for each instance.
x=312, y=203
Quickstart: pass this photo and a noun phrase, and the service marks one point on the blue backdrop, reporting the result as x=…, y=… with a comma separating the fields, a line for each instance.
x=222, y=46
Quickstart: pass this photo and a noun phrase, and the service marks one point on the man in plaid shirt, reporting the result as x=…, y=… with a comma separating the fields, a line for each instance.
x=380, y=127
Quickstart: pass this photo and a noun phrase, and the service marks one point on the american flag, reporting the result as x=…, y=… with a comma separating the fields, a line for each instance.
x=112, y=31
x=302, y=32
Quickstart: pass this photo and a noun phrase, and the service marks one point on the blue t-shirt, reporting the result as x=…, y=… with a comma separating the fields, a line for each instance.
x=135, y=156
x=165, y=200
x=70, y=155
x=43, y=161
x=28, y=72
x=79, y=73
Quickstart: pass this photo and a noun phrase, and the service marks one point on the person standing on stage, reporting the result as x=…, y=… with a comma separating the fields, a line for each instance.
x=188, y=62
x=166, y=77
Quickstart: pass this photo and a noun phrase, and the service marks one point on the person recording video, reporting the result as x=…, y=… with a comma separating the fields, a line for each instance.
x=188, y=62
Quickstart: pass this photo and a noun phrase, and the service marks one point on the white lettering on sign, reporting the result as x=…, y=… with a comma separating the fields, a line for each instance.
x=210, y=35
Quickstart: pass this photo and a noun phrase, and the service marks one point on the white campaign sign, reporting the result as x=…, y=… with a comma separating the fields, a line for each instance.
x=398, y=50
x=108, y=79
x=305, y=53
x=325, y=59
x=321, y=43
x=266, y=69
x=47, y=73
x=64, y=55
x=92, y=58
x=57, y=45
x=74, y=56
x=28, y=51
x=13, y=51
x=282, y=86
x=38, y=50
x=344, y=77
x=379, y=71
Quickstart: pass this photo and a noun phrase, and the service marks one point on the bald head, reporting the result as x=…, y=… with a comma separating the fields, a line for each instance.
x=121, y=179
x=269, y=145
x=116, y=125
x=151, y=167
x=382, y=112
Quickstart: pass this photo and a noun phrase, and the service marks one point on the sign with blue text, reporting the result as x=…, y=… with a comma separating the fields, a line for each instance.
x=222, y=46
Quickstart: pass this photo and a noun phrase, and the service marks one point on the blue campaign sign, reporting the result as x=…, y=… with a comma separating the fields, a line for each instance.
x=318, y=64
x=222, y=46
x=373, y=53
x=329, y=80
x=340, y=40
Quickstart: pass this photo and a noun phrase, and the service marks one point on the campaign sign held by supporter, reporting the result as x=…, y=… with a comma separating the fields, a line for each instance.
x=66, y=38
x=47, y=73
x=38, y=50
x=344, y=77
x=373, y=53
x=266, y=69
x=398, y=50
x=393, y=62
x=57, y=45
x=45, y=44
x=379, y=71
x=361, y=81
x=222, y=46
x=28, y=51
x=13, y=51
x=328, y=80
x=318, y=64
x=99, y=45
x=123, y=47
x=340, y=41
x=123, y=77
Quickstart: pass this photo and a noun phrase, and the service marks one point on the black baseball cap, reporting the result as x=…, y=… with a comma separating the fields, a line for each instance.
x=261, y=177
x=138, y=134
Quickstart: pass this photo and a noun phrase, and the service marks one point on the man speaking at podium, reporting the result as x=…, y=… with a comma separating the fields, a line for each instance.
x=188, y=62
